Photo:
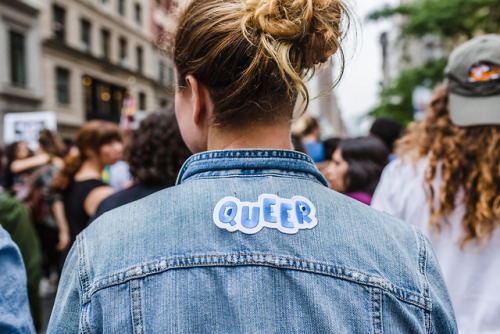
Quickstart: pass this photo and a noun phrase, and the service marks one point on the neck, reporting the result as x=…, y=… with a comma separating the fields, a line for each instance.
x=91, y=168
x=267, y=137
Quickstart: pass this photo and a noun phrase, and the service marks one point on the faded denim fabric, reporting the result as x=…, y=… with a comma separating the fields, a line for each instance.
x=15, y=316
x=251, y=241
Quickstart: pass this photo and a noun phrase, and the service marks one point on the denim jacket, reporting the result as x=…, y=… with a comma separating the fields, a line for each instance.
x=15, y=316
x=251, y=241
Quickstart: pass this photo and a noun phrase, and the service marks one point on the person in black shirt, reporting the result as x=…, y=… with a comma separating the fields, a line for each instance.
x=80, y=181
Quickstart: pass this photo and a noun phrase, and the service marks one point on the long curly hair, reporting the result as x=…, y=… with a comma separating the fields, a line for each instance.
x=469, y=159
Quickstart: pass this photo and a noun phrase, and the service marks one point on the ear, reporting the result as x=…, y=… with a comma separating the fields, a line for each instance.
x=89, y=152
x=201, y=102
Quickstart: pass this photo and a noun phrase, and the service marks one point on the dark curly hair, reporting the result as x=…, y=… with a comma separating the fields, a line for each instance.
x=156, y=151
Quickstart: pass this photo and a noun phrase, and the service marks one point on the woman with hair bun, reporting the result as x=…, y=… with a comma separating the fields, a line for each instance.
x=251, y=239
x=98, y=145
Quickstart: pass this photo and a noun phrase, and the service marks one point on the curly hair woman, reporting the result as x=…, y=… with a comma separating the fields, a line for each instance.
x=447, y=182
x=250, y=239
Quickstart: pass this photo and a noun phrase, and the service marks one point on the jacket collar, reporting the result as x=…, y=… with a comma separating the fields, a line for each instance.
x=285, y=160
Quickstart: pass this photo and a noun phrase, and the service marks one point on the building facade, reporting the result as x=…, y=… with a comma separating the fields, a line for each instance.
x=96, y=54
x=20, y=57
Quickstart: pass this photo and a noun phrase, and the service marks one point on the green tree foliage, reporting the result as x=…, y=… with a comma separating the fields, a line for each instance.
x=396, y=100
x=451, y=20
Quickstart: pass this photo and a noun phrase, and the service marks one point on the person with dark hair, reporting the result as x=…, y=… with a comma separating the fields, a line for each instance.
x=250, y=239
x=14, y=154
x=356, y=166
x=388, y=130
x=80, y=182
x=330, y=146
x=44, y=203
x=155, y=155
x=447, y=181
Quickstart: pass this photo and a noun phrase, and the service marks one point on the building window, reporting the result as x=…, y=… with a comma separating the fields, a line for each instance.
x=58, y=23
x=142, y=101
x=102, y=100
x=123, y=52
x=138, y=14
x=105, y=37
x=62, y=82
x=85, y=35
x=139, y=55
x=121, y=7
x=17, y=59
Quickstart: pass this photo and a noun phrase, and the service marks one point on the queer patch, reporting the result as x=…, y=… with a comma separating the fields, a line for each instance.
x=287, y=215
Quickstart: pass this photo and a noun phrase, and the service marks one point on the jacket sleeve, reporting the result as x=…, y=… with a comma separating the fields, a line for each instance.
x=66, y=313
x=15, y=314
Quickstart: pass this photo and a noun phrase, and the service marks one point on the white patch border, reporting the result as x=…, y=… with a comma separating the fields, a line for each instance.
x=262, y=223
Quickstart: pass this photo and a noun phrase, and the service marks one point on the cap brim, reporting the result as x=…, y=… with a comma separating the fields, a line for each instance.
x=470, y=111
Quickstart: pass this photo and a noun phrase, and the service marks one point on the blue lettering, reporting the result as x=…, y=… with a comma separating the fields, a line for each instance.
x=285, y=207
x=302, y=210
x=268, y=210
x=228, y=212
x=248, y=222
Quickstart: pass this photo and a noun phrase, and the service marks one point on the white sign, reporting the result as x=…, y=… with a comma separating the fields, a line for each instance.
x=26, y=126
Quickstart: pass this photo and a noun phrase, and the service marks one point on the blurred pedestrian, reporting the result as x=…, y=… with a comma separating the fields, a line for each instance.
x=447, y=182
x=330, y=145
x=356, y=166
x=307, y=127
x=45, y=208
x=98, y=145
x=15, y=153
x=388, y=130
x=156, y=154
x=251, y=239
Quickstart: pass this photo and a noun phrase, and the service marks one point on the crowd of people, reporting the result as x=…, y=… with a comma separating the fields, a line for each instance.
x=223, y=219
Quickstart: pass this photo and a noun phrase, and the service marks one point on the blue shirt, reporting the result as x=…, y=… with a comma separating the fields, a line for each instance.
x=251, y=241
x=15, y=316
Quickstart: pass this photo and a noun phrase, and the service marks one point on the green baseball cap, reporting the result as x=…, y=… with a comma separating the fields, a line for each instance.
x=473, y=74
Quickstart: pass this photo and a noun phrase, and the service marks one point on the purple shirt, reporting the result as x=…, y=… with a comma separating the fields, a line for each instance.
x=362, y=197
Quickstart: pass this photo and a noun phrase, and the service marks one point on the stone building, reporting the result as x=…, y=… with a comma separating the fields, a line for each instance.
x=20, y=57
x=96, y=53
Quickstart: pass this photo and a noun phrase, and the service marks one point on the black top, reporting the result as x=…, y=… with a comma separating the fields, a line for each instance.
x=74, y=197
x=135, y=192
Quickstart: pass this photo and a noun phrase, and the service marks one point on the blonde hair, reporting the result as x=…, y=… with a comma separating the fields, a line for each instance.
x=253, y=55
x=469, y=159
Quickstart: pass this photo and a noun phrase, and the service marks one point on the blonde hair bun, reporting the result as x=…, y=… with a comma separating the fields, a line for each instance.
x=310, y=26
